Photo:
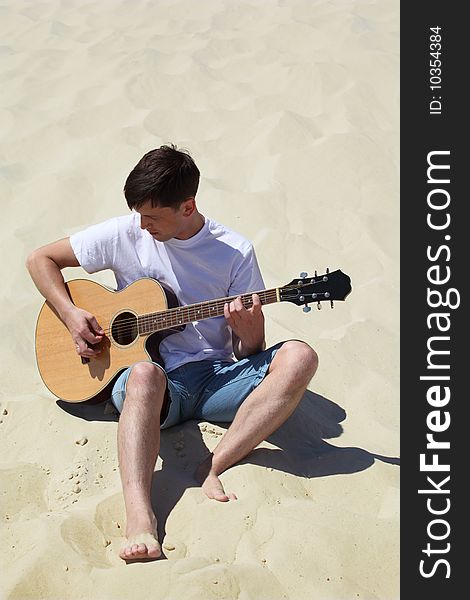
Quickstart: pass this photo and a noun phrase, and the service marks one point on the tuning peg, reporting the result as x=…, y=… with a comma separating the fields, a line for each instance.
x=331, y=303
x=303, y=274
x=327, y=270
x=307, y=308
x=319, y=305
x=316, y=273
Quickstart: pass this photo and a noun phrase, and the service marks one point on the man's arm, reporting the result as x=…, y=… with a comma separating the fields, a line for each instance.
x=248, y=336
x=44, y=266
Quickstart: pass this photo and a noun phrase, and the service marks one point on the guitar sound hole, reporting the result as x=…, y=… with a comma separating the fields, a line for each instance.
x=124, y=329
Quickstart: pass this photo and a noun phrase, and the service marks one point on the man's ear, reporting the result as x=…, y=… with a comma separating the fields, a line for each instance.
x=189, y=206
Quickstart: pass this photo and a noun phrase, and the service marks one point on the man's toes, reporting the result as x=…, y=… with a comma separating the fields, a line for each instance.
x=139, y=551
x=141, y=546
x=131, y=550
x=221, y=497
x=154, y=551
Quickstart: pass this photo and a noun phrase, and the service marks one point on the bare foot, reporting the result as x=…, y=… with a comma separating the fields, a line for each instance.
x=210, y=483
x=141, y=544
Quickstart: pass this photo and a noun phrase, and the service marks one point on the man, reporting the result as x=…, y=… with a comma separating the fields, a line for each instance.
x=167, y=238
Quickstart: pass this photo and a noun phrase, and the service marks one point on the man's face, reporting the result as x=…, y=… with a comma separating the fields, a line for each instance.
x=165, y=223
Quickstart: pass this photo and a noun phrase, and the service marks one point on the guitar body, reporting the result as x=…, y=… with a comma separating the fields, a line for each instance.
x=74, y=379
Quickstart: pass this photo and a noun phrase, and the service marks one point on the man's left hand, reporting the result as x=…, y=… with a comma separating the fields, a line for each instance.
x=246, y=324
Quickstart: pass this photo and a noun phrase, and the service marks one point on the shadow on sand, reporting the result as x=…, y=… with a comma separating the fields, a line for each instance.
x=300, y=441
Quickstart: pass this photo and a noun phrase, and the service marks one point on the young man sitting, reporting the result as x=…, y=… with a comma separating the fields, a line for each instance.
x=215, y=369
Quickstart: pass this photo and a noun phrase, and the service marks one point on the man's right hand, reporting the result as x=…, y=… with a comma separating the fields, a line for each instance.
x=84, y=330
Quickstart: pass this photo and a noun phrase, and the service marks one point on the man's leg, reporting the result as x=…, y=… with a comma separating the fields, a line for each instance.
x=138, y=447
x=263, y=412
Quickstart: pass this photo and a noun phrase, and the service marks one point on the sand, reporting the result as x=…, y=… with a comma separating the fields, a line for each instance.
x=290, y=109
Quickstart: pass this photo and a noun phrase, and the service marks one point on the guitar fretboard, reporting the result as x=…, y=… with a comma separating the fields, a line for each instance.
x=181, y=315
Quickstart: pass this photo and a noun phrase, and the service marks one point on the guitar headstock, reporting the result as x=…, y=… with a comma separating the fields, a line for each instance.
x=328, y=287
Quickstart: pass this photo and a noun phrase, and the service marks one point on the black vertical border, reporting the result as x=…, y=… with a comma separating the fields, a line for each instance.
x=422, y=133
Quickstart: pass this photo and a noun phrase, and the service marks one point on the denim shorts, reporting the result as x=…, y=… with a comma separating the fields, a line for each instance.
x=208, y=390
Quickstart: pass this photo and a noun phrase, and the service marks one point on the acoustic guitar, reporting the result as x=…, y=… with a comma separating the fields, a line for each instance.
x=135, y=321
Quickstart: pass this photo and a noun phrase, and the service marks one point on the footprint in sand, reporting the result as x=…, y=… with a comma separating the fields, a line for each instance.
x=26, y=484
x=87, y=540
x=110, y=517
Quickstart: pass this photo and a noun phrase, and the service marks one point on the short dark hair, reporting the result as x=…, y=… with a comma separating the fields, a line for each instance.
x=165, y=176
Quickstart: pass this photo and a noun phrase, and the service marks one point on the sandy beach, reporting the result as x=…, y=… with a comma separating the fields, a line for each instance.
x=290, y=109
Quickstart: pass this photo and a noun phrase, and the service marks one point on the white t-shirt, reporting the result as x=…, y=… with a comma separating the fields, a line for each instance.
x=214, y=263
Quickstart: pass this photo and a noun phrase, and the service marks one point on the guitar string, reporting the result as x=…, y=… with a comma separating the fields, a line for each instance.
x=131, y=323
x=178, y=312
x=138, y=327
x=128, y=325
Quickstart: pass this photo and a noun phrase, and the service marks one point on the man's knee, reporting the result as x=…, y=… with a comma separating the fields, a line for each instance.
x=297, y=356
x=147, y=375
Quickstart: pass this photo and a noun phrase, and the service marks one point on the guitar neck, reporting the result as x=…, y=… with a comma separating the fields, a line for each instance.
x=181, y=315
